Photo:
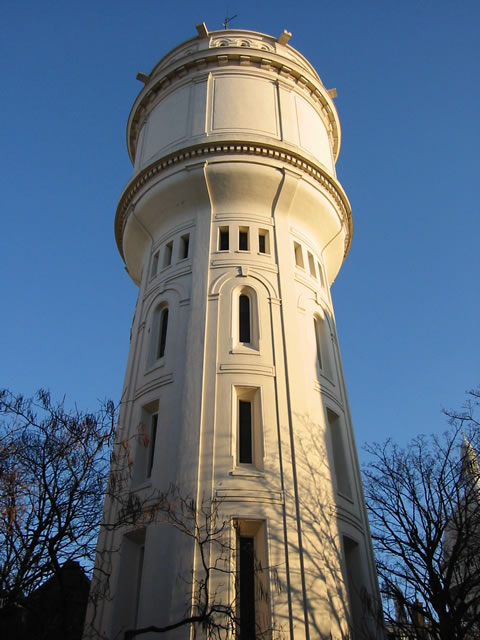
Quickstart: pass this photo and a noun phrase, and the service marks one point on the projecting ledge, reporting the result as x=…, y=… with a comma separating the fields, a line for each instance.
x=242, y=495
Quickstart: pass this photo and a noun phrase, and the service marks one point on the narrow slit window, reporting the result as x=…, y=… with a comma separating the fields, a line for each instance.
x=298, y=255
x=154, y=268
x=147, y=437
x=263, y=241
x=162, y=334
x=252, y=578
x=318, y=328
x=131, y=570
x=245, y=454
x=244, y=332
x=311, y=265
x=138, y=586
x=322, y=277
x=243, y=239
x=184, y=246
x=353, y=567
x=167, y=256
x=246, y=577
x=223, y=239
x=152, y=441
x=339, y=457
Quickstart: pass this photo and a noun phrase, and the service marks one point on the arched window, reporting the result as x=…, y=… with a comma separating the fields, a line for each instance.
x=245, y=328
x=244, y=319
x=162, y=332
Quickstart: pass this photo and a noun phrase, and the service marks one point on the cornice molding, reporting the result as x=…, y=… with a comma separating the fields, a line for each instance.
x=205, y=151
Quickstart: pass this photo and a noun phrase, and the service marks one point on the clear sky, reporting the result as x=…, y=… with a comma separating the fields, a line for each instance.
x=407, y=298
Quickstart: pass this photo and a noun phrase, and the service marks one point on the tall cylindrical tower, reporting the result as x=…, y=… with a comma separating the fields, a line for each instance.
x=234, y=226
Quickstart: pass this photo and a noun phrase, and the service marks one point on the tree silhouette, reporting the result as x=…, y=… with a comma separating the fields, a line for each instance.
x=53, y=469
x=424, y=507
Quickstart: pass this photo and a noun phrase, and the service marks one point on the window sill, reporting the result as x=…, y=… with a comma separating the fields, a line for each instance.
x=321, y=377
x=345, y=497
x=247, y=472
x=244, y=349
x=158, y=364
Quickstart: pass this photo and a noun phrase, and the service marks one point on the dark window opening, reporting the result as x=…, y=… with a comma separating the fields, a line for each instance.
x=162, y=333
x=154, y=265
x=318, y=328
x=244, y=318
x=247, y=589
x=298, y=254
x=243, y=239
x=311, y=264
x=153, y=438
x=140, y=561
x=223, y=239
x=185, y=242
x=245, y=431
x=261, y=243
x=167, y=256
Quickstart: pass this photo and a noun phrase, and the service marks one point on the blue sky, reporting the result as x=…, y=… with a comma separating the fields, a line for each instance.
x=407, y=298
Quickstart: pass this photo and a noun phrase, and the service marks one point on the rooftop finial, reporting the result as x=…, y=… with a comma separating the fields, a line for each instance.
x=227, y=20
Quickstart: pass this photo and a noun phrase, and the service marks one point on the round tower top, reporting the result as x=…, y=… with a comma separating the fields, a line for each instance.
x=235, y=100
x=219, y=49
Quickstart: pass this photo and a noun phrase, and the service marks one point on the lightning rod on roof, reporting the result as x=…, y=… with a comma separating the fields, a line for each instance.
x=227, y=20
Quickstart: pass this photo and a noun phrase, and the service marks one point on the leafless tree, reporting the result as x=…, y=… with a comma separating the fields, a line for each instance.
x=54, y=465
x=424, y=507
x=214, y=538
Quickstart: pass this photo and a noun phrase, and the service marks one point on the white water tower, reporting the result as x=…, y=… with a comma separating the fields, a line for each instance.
x=234, y=226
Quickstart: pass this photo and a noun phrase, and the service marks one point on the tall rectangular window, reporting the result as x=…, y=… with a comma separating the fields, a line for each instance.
x=152, y=436
x=253, y=610
x=146, y=440
x=167, y=255
x=322, y=278
x=342, y=473
x=223, y=239
x=162, y=332
x=311, y=265
x=245, y=455
x=248, y=433
x=184, y=246
x=244, y=320
x=263, y=241
x=318, y=328
x=138, y=587
x=246, y=579
x=127, y=605
x=154, y=268
x=298, y=255
x=353, y=568
x=243, y=239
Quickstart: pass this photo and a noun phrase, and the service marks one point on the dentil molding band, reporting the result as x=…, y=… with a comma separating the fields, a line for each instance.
x=330, y=186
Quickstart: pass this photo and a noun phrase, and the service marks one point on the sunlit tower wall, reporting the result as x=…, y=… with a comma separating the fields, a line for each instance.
x=234, y=227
